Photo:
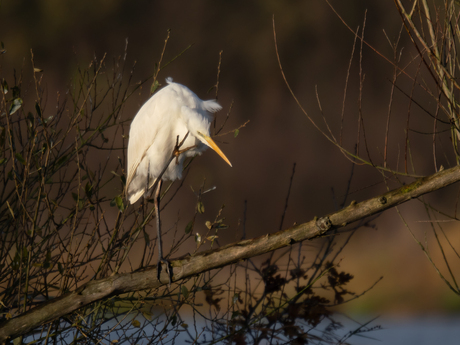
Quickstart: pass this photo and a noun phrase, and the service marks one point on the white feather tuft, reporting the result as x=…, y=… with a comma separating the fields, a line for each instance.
x=212, y=106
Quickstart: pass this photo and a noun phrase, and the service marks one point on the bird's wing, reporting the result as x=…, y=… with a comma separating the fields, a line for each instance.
x=142, y=134
x=133, y=168
x=134, y=197
x=149, y=136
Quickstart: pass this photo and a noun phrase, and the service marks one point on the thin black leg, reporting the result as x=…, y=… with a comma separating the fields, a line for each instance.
x=160, y=243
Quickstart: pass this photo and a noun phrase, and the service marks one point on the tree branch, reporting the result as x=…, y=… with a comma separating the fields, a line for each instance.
x=192, y=265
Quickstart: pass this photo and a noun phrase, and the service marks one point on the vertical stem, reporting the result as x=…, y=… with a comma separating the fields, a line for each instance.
x=157, y=211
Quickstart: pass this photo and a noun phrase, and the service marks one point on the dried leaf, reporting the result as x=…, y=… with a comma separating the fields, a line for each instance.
x=17, y=103
x=20, y=158
x=189, y=226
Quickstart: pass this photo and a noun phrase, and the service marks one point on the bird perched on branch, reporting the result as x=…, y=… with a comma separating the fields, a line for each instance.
x=171, y=126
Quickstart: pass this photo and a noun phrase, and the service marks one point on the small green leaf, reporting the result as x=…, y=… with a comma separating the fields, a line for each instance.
x=197, y=238
x=119, y=202
x=136, y=323
x=184, y=291
x=38, y=110
x=154, y=86
x=61, y=160
x=3, y=161
x=235, y=314
x=147, y=239
x=16, y=261
x=17, y=103
x=20, y=158
x=16, y=91
x=184, y=325
x=37, y=70
x=88, y=190
x=200, y=207
x=46, y=264
x=189, y=226
x=237, y=131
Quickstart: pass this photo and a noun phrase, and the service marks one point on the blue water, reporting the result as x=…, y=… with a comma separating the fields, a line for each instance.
x=423, y=330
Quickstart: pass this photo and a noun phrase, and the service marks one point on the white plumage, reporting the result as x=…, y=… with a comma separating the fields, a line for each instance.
x=173, y=111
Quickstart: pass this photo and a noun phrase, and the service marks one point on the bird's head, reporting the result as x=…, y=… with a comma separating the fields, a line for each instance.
x=198, y=121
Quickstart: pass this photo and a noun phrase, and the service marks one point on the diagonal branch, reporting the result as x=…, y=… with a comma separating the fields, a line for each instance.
x=192, y=265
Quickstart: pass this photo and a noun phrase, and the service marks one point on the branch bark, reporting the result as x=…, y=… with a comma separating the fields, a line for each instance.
x=186, y=267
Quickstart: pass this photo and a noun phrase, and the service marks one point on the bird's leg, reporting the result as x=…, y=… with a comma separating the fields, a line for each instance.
x=161, y=259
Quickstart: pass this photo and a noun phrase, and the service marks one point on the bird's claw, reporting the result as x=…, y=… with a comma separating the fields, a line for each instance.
x=168, y=269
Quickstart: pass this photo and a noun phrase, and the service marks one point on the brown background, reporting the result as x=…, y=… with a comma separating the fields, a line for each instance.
x=315, y=49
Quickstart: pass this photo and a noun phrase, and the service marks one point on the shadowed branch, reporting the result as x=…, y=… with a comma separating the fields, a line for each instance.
x=192, y=265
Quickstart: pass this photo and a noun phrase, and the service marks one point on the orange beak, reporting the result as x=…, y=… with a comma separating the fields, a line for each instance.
x=207, y=140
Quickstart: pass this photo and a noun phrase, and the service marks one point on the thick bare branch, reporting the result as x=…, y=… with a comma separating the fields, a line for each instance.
x=192, y=265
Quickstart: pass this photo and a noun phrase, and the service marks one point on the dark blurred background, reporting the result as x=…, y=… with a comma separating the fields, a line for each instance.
x=315, y=49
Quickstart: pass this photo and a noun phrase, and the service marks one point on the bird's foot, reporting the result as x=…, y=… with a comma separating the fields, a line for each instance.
x=168, y=269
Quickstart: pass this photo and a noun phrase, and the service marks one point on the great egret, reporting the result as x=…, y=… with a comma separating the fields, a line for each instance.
x=173, y=123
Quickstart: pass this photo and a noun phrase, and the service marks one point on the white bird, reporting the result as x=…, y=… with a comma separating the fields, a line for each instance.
x=171, y=116
x=172, y=112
